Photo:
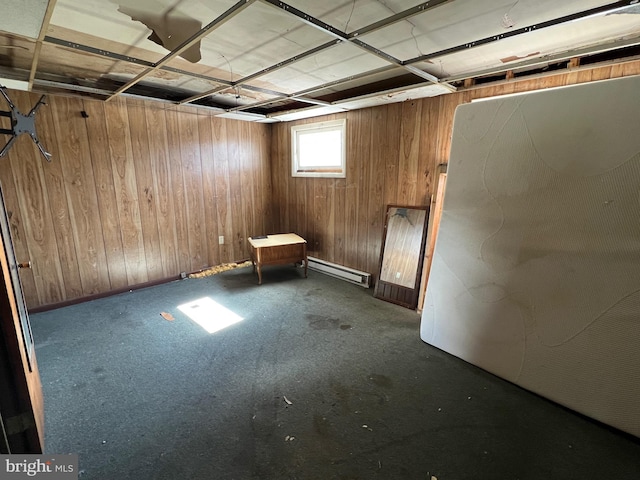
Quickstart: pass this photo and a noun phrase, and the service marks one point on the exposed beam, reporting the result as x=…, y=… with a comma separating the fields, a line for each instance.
x=43, y=31
x=198, y=96
x=99, y=91
x=519, y=31
x=311, y=101
x=225, y=17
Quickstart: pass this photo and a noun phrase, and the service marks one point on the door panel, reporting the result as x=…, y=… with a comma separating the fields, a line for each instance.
x=21, y=403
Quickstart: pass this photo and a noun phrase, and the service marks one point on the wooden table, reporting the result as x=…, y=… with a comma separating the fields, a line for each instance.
x=277, y=250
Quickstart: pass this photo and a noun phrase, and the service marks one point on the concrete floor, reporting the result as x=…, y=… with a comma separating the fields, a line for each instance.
x=140, y=397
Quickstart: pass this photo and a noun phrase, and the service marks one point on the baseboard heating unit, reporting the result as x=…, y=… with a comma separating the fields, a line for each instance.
x=344, y=273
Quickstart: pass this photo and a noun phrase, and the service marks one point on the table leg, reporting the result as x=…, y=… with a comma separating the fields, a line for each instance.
x=259, y=274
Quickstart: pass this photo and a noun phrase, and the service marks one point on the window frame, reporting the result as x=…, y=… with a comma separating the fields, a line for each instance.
x=319, y=171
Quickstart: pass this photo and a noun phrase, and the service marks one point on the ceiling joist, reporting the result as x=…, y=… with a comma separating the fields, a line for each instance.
x=43, y=31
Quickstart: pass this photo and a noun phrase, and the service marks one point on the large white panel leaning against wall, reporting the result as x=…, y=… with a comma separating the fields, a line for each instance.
x=536, y=271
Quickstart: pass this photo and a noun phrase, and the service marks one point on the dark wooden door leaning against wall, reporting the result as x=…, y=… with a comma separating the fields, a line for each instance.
x=21, y=403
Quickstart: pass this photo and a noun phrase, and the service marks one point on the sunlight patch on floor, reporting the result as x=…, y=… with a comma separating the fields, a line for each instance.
x=209, y=314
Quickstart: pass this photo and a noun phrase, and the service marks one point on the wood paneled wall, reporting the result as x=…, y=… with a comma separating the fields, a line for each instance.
x=392, y=155
x=135, y=193
x=140, y=191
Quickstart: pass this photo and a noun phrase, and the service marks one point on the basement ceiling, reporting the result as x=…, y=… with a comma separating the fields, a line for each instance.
x=266, y=60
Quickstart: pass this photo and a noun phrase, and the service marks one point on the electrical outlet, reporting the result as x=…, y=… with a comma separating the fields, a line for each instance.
x=221, y=240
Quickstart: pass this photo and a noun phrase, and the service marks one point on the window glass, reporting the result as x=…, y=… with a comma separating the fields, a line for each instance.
x=318, y=149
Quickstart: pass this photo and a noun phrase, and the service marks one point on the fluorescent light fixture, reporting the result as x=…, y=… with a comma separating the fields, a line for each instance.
x=209, y=314
x=309, y=112
x=400, y=94
x=246, y=116
x=268, y=120
x=14, y=84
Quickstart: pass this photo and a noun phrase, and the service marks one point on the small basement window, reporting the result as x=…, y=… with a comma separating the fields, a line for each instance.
x=318, y=149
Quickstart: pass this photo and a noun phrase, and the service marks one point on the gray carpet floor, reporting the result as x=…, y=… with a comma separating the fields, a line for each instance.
x=318, y=381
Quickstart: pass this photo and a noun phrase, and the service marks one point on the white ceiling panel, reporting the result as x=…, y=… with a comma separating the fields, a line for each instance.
x=103, y=19
x=539, y=44
x=22, y=17
x=338, y=62
x=351, y=15
x=258, y=56
x=171, y=80
x=275, y=37
x=462, y=21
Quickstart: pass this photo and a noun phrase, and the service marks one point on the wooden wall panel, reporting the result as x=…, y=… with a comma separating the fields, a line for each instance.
x=375, y=214
x=427, y=159
x=223, y=195
x=208, y=190
x=105, y=189
x=125, y=183
x=176, y=183
x=145, y=189
x=281, y=199
x=80, y=189
x=135, y=192
x=401, y=146
x=159, y=151
x=364, y=173
x=17, y=231
x=235, y=193
x=194, y=205
x=32, y=196
x=70, y=284
x=264, y=187
x=140, y=191
x=409, y=151
x=246, y=184
x=392, y=138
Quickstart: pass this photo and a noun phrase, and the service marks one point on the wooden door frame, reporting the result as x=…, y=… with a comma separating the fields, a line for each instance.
x=437, y=201
x=21, y=402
